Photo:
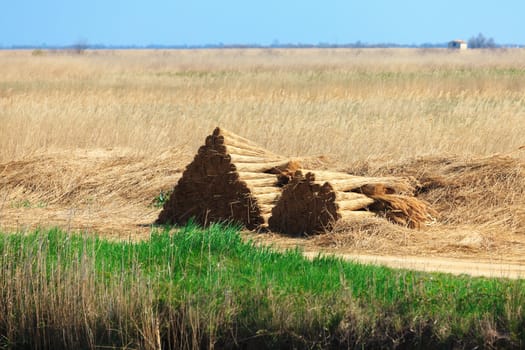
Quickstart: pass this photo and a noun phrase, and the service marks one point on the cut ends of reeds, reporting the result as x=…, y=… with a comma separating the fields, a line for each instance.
x=225, y=183
x=304, y=207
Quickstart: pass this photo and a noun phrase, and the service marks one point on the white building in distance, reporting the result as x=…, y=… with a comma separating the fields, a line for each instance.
x=457, y=44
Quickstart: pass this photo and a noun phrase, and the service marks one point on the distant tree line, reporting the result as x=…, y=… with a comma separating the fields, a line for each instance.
x=481, y=42
x=475, y=42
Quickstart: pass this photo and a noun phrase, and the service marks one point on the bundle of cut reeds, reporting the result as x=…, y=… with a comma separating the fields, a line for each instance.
x=230, y=179
x=233, y=179
x=314, y=202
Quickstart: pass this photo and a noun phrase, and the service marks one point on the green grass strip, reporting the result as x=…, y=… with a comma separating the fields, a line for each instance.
x=207, y=287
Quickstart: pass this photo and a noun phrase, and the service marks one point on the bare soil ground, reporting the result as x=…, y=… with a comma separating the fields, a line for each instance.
x=481, y=203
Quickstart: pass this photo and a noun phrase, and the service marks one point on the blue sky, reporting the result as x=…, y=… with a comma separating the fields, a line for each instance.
x=194, y=22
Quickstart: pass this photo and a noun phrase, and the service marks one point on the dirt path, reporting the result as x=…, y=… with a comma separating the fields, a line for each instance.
x=448, y=265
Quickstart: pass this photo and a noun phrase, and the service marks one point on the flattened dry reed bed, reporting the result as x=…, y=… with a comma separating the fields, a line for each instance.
x=196, y=288
x=480, y=200
x=488, y=192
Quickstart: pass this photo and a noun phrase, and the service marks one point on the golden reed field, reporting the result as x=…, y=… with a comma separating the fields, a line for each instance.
x=87, y=141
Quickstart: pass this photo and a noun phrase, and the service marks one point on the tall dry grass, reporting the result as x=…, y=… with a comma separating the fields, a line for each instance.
x=348, y=103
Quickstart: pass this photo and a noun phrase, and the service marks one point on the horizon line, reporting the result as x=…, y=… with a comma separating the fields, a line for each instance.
x=83, y=45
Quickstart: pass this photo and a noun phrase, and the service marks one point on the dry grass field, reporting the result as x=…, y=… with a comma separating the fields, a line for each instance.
x=350, y=104
x=87, y=141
